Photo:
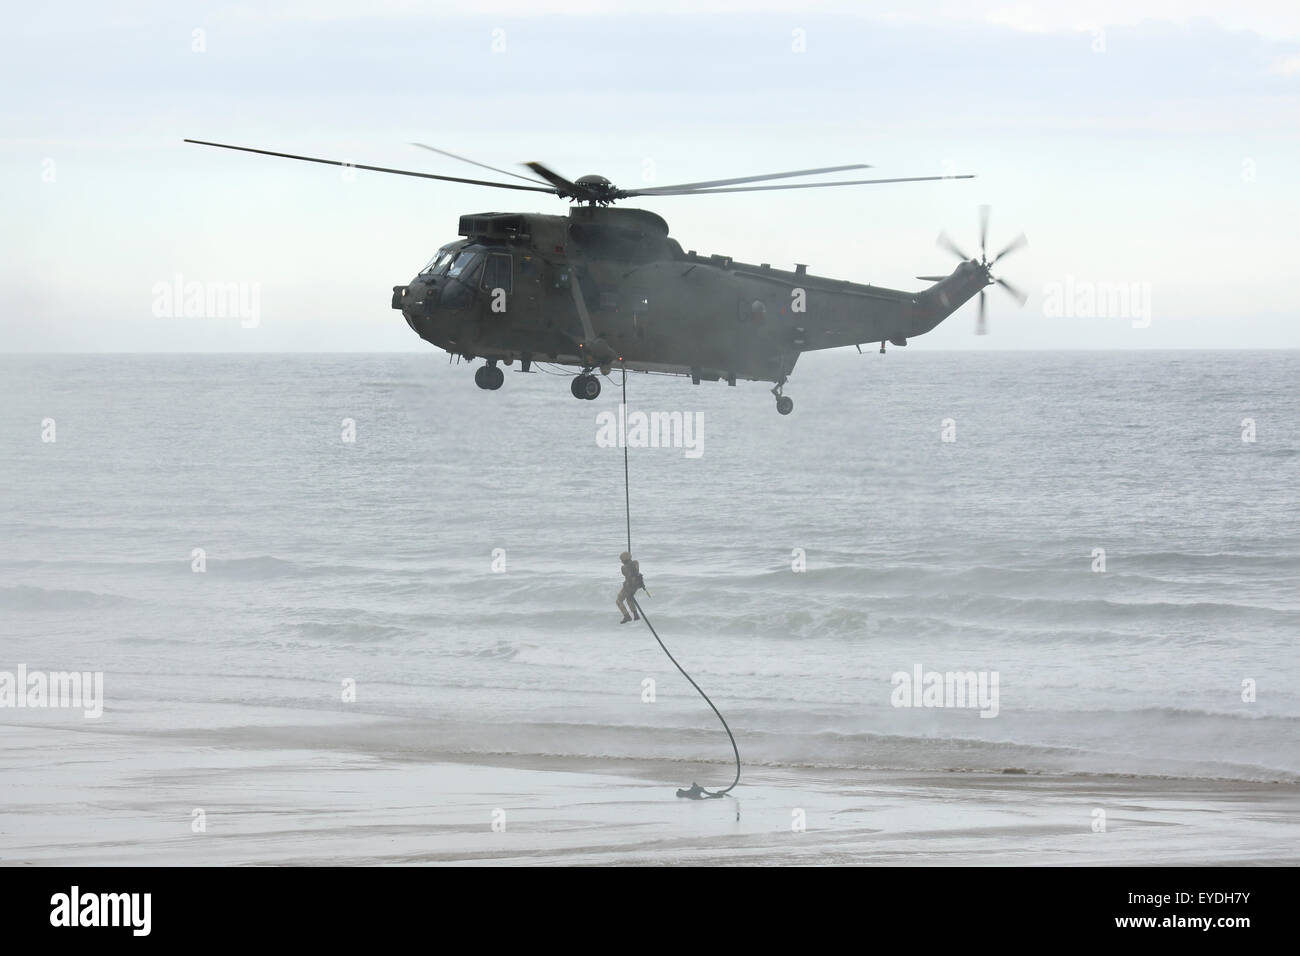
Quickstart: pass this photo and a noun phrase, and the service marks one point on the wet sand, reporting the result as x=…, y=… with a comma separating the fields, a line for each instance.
x=322, y=789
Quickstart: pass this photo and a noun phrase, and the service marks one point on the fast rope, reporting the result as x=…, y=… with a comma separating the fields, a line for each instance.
x=695, y=792
x=627, y=485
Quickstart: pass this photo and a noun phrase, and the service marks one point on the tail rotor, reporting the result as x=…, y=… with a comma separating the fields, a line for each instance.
x=984, y=262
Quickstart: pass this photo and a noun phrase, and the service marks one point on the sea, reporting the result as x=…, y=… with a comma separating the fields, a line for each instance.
x=1109, y=541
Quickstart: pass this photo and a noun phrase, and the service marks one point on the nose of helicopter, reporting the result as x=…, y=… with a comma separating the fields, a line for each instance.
x=414, y=294
x=415, y=300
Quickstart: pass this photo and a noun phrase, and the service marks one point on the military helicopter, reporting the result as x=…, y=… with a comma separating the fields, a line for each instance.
x=605, y=288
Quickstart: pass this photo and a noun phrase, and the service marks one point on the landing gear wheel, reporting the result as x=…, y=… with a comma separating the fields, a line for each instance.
x=489, y=377
x=784, y=405
x=585, y=386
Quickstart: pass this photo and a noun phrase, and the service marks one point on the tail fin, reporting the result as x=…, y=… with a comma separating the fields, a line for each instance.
x=947, y=295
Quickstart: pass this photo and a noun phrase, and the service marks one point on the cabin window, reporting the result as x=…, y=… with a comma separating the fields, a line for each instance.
x=497, y=272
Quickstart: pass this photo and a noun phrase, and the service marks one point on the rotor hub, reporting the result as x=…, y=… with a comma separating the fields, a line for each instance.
x=597, y=190
x=984, y=264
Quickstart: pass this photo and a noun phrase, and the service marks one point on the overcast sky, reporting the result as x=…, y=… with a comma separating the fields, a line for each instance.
x=1155, y=144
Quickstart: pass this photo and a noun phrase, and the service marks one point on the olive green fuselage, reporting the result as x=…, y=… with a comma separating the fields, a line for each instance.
x=608, y=287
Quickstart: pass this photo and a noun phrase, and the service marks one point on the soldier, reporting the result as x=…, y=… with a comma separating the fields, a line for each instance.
x=631, y=583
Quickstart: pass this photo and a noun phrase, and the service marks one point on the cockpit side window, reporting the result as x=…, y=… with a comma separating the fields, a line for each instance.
x=464, y=265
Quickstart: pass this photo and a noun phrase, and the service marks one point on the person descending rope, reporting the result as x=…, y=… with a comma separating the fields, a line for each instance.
x=632, y=582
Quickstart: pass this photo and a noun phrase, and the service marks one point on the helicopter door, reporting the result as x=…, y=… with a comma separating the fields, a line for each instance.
x=568, y=285
x=497, y=282
x=640, y=313
x=498, y=273
x=525, y=303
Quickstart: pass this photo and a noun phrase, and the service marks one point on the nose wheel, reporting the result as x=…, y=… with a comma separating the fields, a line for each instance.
x=784, y=403
x=489, y=377
x=585, y=386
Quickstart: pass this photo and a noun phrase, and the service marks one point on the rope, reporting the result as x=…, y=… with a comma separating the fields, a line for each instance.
x=627, y=485
x=695, y=792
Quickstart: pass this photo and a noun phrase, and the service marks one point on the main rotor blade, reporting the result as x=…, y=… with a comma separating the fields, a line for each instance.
x=465, y=159
x=944, y=242
x=984, y=232
x=981, y=323
x=1016, y=294
x=755, y=189
x=651, y=190
x=1012, y=246
x=373, y=169
x=564, y=186
x=932, y=278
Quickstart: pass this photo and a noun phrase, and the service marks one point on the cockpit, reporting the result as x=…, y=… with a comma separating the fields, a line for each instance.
x=453, y=261
x=438, y=264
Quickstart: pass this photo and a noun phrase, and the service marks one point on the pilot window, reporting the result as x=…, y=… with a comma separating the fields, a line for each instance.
x=464, y=265
x=438, y=263
x=497, y=272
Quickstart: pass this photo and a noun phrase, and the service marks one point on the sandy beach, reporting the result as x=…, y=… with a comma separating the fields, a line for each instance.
x=330, y=790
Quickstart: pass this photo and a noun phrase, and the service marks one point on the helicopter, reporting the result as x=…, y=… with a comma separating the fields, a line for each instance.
x=606, y=287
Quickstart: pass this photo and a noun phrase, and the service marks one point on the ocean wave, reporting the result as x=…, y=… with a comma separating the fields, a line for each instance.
x=397, y=383
x=258, y=566
x=27, y=598
x=1151, y=742
x=837, y=751
x=1051, y=612
x=1200, y=560
x=269, y=566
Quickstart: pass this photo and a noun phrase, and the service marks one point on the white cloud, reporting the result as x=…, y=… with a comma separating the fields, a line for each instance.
x=1269, y=18
x=1287, y=66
